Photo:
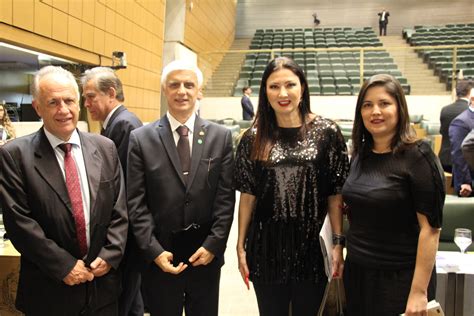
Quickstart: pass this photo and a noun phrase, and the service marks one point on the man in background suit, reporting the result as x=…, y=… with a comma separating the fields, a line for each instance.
x=63, y=199
x=180, y=176
x=383, y=21
x=460, y=127
x=247, y=107
x=103, y=95
x=448, y=113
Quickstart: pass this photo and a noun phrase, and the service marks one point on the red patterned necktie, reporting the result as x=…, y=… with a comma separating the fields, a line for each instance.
x=75, y=195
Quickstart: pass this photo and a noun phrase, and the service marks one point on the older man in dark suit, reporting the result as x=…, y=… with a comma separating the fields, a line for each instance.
x=181, y=200
x=247, y=107
x=448, y=113
x=104, y=97
x=63, y=199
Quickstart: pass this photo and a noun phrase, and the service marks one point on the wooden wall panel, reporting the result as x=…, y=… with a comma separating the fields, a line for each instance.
x=209, y=26
x=23, y=14
x=254, y=14
x=43, y=20
x=6, y=11
x=83, y=29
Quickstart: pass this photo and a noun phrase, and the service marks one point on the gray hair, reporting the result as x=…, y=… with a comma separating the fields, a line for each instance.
x=180, y=64
x=106, y=78
x=56, y=71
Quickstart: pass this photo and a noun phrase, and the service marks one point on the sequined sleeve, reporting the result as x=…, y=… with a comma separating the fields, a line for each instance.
x=244, y=171
x=338, y=159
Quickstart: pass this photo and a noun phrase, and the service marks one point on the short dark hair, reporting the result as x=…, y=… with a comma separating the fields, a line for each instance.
x=361, y=137
x=463, y=88
x=245, y=89
x=265, y=119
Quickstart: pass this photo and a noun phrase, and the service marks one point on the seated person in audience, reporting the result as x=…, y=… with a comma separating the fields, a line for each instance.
x=458, y=130
x=7, y=131
x=395, y=195
x=468, y=149
x=448, y=113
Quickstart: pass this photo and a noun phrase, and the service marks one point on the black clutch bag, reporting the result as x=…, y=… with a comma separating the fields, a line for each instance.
x=185, y=242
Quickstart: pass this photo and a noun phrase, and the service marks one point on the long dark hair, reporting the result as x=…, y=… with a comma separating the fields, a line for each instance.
x=361, y=138
x=265, y=120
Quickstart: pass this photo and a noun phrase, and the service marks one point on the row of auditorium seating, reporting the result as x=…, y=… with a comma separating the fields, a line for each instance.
x=441, y=61
x=314, y=38
x=450, y=34
x=328, y=72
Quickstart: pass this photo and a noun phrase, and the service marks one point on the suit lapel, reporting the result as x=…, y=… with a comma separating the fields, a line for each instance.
x=47, y=166
x=93, y=163
x=166, y=136
x=106, y=132
x=199, y=140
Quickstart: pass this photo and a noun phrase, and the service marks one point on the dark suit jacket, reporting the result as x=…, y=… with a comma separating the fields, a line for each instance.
x=387, y=14
x=448, y=113
x=458, y=130
x=118, y=130
x=468, y=149
x=247, y=108
x=38, y=217
x=158, y=200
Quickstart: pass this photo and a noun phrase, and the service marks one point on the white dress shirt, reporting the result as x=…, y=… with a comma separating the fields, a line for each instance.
x=174, y=123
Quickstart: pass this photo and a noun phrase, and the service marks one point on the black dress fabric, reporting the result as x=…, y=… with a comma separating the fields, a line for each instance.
x=291, y=190
x=384, y=192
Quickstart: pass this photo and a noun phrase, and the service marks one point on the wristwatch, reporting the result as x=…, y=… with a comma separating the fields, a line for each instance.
x=338, y=239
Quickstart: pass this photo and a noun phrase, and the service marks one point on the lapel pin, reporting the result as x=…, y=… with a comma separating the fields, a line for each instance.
x=201, y=133
x=200, y=141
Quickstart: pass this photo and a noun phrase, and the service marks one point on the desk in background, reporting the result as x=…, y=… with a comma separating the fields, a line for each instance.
x=9, y=269
x=455, y=283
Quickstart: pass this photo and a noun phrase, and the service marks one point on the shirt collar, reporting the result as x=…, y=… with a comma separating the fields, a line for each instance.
x=174, y=123
x=107, y=119
x=55, y=141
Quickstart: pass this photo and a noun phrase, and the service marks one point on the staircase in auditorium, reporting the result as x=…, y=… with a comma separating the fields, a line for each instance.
x=422, y=80
x=222, y=82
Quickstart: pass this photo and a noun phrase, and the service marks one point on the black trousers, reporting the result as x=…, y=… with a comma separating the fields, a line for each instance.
x=274, y=299
x=374, y=292
x=383, y=27
x=195, y=289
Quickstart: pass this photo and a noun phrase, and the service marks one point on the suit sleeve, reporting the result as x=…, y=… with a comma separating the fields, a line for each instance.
x=114, y=247
x=141, y=219
x=457, y=132
x=121, y=136
x=24, y=231
x=224, y=202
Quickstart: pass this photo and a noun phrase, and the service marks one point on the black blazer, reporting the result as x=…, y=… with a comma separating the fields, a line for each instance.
x=38, y=217
x=448, y=113
x=119, y=127
x=387, y=14
x=159, y=202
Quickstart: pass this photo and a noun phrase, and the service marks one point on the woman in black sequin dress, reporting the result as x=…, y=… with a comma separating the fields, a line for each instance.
x=395, y=196
x=290, y=168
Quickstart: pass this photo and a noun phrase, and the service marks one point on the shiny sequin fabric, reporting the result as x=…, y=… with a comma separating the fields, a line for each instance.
x=291, y=189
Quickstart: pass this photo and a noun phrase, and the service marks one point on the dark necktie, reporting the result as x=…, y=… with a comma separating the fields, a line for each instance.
x=75, y=195
x=102, y=131
x=184, y=151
